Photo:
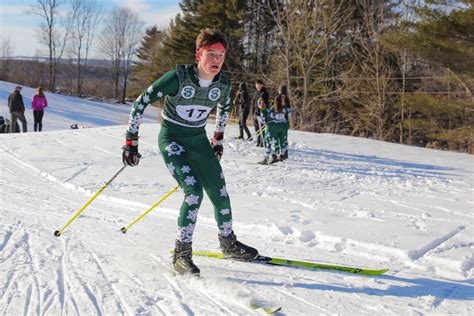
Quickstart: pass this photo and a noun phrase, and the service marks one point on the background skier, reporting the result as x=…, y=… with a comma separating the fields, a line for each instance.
x=267, y=118
x=260, y=92
x=282, y=112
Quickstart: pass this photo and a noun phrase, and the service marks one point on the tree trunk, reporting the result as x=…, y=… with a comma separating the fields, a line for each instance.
x=79, y=69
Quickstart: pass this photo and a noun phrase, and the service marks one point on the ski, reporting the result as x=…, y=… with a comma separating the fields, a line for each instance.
x=259, y=164
x=266, y=310
x=295, y=263
x=173, y=273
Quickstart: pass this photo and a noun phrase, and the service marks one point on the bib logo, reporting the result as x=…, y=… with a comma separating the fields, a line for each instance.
x=214, y=94
x=188, y=92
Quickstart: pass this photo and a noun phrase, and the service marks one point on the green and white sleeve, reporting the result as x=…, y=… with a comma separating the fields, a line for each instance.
x=222, y=115
x=168, y=84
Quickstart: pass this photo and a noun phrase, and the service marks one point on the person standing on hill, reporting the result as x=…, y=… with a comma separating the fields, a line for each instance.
x=242, y=103
x=267, y=120
x=38, y=104
x=191, y=91
x=17, y=110
x=261, y=93
x=282, y=109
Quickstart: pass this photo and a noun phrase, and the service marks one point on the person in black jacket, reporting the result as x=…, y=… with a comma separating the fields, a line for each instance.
x=242, y=103
x=17, y=110
x=261, y=93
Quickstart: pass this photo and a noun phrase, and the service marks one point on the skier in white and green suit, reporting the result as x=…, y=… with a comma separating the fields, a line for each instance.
x=191, y=92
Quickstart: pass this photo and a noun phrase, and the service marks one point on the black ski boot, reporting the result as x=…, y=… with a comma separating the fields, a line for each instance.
x=269, y=161
x=182, y=259
x=232, y=248
x=265, y=161
x=274, y=159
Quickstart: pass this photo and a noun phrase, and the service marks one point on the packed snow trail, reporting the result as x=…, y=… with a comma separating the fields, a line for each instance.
x=95, y=269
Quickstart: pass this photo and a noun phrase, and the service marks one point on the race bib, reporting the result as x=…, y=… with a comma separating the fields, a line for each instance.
x=280, y=117
x=193, y=113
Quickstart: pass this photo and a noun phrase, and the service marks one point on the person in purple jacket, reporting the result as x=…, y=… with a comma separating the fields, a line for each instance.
x=38, y=104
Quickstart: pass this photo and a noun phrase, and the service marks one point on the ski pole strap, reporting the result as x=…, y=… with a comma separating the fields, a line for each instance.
x=58, y=232
x=125, y=229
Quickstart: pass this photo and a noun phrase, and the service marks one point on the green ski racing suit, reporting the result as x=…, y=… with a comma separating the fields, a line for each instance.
x=183, y=142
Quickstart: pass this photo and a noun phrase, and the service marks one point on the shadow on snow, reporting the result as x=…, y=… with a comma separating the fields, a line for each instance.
x=367, y=165
x=413, y=288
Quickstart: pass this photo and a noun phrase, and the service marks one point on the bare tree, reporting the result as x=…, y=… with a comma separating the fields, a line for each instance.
x=305, y=30
x=54, y=32
x=119, y=40
x=6, y=58
x=373, y=73
x=87, y=15
x=133, y=35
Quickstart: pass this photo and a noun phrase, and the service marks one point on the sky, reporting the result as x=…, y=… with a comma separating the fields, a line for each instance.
x=21, y=27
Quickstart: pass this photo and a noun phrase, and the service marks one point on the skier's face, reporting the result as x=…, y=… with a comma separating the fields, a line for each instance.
x=211, y=61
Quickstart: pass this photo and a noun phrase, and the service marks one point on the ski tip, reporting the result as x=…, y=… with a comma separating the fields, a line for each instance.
x=369, y=272
x=266, y=310
x=57, y=233
x=123, y=230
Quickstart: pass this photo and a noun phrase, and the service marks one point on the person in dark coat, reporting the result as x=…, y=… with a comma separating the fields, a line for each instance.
x=242, y=103
x=17, y=110
x=261, y=93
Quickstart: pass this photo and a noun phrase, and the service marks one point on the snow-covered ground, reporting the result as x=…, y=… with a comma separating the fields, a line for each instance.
x=338, y=199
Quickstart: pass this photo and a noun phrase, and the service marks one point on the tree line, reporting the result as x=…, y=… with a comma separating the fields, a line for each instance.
x=68, y=29
x=393, y=70
x=399, y=71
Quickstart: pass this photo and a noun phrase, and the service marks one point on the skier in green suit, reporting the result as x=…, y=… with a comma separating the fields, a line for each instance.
x=281, y=112
x=267, y=119
x=190, y=92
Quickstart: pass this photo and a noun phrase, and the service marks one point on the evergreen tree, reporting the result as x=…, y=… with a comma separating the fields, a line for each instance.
x=442, y=37
x=196, y=15
x=150, y=60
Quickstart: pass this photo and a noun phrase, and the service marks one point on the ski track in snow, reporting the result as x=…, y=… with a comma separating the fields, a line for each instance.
x=64, y=286
x=330, y=203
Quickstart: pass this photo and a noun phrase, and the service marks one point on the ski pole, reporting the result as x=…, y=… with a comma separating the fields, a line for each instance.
x=124, y=229
x=57, y=233
x=260, y=130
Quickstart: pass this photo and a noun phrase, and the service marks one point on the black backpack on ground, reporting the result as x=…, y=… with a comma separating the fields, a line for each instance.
x=5, y=126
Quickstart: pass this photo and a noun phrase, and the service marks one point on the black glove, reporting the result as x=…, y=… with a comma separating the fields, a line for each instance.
x=217, y=148
x=130, y=154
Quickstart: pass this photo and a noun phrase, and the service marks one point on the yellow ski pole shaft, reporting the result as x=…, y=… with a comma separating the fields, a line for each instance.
x=125, y=229
x=260, y=130
x=57, y=233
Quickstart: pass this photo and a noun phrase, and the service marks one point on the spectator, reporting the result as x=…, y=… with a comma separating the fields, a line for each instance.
x=260, y=93
x=17, y=110
x=241, y=101
x=38, y=104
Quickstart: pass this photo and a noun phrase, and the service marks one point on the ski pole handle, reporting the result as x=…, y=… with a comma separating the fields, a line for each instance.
x=57, y=233
x=125, y=229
